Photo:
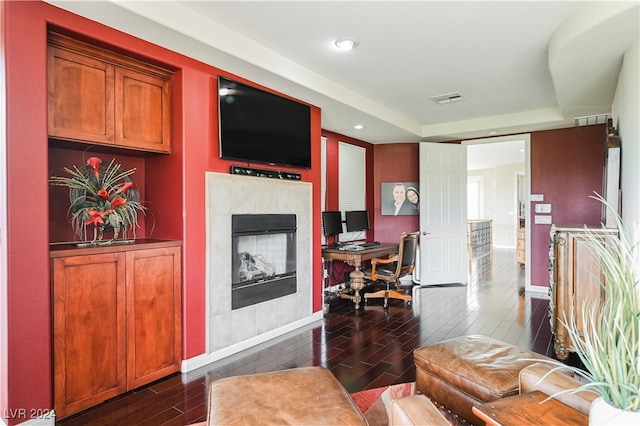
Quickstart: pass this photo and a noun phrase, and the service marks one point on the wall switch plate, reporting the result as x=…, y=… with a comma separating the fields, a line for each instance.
x=536, y=197
x=543, y=208
x=542, y=220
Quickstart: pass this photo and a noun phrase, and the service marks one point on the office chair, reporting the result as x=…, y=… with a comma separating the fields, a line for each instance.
x=391, y=269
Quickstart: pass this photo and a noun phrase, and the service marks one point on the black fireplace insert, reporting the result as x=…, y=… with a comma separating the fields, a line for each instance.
x=263, y=248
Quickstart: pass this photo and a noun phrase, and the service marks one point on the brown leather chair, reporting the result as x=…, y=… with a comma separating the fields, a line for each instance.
x=418, y=410
x=391, y=269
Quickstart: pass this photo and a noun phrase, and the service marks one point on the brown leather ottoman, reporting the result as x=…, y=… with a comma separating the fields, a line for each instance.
x=300, y=396
x=462, y=372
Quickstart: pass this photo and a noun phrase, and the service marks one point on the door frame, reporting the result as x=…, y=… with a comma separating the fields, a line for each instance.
x=527, y=226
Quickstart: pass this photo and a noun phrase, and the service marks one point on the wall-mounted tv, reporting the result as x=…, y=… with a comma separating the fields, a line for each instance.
x=262, y=127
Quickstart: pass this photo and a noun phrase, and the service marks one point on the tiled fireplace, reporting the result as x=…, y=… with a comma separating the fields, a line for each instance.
x=231, y=199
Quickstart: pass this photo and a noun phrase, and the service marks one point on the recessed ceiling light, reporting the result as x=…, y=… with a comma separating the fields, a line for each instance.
x=346, y=43
x=358, y=127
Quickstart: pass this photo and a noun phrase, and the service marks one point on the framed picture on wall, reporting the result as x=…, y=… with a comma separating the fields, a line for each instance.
x=400, y=199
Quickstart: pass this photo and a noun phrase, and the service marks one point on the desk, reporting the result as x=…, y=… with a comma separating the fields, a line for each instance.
x=526, y=409
x=355, y=259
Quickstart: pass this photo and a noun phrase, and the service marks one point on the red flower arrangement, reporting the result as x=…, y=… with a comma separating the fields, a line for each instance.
x=102, y=196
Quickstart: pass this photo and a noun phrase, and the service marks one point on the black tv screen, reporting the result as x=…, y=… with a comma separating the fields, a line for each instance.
x=262, y=127
x=357, y=220
x=331, y=223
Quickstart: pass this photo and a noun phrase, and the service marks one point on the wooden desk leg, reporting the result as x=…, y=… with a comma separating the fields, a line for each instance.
x=357, y=283
x=356, y=278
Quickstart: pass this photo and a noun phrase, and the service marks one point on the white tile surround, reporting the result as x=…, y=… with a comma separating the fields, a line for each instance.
x=230, y=331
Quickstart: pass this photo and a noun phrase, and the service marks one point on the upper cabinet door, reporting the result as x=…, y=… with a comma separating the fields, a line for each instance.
x=142, y=111
x=100, y=97
x=80, y=96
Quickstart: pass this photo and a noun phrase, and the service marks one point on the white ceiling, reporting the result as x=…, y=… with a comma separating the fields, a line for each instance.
x=521, y=66
x=496, y=154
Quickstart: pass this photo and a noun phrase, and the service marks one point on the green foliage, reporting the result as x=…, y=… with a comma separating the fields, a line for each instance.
x=609, y=345
x=102, y=196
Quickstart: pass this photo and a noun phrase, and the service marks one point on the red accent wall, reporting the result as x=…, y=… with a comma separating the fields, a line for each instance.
x=333, y=164
x=566, y=167
x=398, y=162
x=174, y=184
x=173, y=189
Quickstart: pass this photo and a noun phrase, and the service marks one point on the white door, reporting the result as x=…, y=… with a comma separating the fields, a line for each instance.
x=443, y=214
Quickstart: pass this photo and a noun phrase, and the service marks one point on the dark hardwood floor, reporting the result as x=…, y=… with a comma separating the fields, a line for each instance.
x=364, y=349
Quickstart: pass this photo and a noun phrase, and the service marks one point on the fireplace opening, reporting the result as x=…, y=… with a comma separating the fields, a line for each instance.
x=263, y=248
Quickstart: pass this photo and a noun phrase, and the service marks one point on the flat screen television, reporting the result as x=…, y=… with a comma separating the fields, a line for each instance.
x=262, y=127
x=357, y=220
x=331, y=223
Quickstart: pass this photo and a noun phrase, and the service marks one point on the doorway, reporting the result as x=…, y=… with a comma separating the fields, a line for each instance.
x=502, y=165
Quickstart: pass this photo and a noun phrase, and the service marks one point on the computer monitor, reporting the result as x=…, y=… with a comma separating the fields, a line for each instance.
x=331, y=223
x=357, y=220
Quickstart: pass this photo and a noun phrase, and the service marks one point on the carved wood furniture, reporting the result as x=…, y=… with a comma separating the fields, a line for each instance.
x=355, y=259
x=116, y=319
x=521, y=244
x=392, y=268
x=574, y=279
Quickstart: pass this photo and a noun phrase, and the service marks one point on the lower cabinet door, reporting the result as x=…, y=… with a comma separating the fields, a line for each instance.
x=89, y=341
x=153, y=314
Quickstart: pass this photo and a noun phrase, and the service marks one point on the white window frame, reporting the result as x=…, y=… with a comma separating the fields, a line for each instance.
x=351, y=184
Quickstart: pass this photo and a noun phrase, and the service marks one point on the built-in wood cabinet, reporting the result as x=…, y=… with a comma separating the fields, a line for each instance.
x=575, y=278
x=116, y=319
x=97, y=96
x=520, y=246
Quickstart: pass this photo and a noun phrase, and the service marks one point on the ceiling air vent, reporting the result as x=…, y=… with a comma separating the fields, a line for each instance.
x=590, y=120
x=447, y=98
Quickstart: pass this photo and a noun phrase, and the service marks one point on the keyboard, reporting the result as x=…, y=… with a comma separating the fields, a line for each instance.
x=371, y=244
x=351, y=247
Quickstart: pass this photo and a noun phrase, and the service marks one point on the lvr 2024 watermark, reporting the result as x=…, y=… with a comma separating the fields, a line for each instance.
x=28, y=413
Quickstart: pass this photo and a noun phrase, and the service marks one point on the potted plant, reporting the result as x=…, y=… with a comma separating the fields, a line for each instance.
x=101, y=195
x=609, y=345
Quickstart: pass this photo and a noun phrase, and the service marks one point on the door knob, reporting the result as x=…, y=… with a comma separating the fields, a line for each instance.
x=426, y=233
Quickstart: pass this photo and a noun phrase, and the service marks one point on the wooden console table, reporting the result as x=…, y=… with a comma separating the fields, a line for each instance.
x=528, y=409
x=355, y=259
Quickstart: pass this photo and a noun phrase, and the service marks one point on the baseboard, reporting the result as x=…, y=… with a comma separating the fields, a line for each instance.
x=204, y=359
x=539, y=290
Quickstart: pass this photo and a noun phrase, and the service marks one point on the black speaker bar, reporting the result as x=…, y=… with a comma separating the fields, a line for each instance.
x=273, y=174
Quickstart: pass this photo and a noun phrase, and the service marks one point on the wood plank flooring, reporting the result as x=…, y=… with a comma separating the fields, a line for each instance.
x=364, y=349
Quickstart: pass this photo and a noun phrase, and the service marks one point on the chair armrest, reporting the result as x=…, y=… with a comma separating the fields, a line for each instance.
x=416, y=410
x=533, y=378
x=382, y=261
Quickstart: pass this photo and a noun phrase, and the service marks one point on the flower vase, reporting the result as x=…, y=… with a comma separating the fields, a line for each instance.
x=602, y=413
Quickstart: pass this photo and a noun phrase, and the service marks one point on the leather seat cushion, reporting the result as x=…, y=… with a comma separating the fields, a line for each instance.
x=381, y=271
x=471, y=369
x=309, y=396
